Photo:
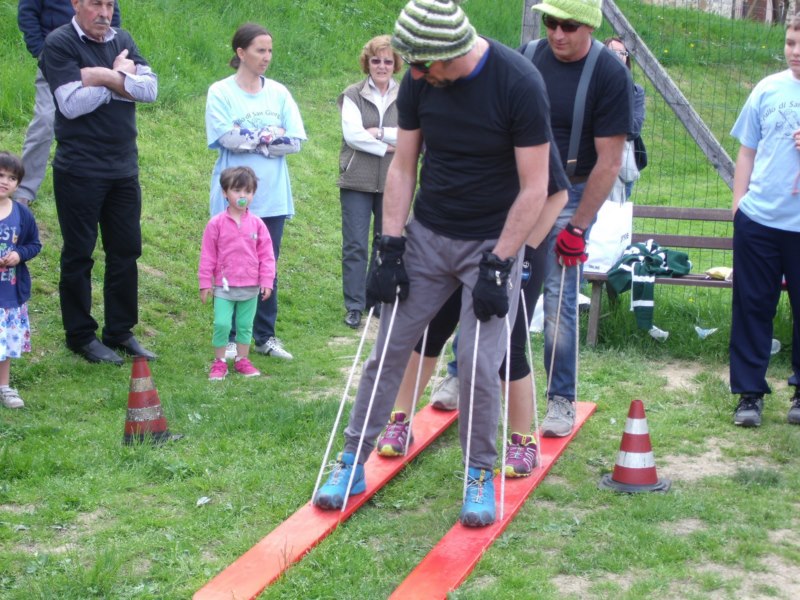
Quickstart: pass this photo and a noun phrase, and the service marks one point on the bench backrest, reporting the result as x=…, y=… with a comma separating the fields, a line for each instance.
x=683, y=213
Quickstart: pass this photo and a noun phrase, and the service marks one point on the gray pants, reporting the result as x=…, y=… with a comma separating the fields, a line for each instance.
x=38, y=139
x=357, y=211
x=436, y=266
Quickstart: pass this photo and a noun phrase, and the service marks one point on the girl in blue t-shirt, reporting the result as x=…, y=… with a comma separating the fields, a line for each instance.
x=19, y=242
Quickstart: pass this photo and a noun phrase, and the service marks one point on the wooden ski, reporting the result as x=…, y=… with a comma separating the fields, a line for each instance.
x=247, y=577
x=449, y=563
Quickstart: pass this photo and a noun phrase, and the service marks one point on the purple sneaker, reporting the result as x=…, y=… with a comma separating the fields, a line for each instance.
x=395, y=437
x=521, y=454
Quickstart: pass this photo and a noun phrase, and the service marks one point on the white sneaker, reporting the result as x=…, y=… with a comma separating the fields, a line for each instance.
x=10, y=398
x=230, y=351
x=445, y=396
x=273, y=347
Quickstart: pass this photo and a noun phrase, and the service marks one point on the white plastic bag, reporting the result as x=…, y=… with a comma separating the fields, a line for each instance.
x=628, y=172
x=609, y=237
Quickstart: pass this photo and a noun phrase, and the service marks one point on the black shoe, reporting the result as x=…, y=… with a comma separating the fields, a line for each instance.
x=748, y=412
x=132, y=347
x=353, y=319
x=794, y=411
x=377, y=312
x=96, y=352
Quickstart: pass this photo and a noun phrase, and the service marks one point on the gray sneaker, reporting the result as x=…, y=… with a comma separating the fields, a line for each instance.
x=794, y=411
x=230, y=351
x=273, y=347
x=560, y=418
x=445, y=396
x=748, y=411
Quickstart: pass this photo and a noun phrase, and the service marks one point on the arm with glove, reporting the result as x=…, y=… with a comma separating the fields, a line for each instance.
x=571, y=241
x=490, y=294
x=387, y=278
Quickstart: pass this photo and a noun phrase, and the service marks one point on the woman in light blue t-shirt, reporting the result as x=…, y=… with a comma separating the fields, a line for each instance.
x=253, y=121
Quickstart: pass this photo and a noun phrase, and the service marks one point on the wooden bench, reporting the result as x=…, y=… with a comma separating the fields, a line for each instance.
x=671, y=241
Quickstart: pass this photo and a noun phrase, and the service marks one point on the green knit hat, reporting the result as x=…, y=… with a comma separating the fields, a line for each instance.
x=432, y=30
x=588, y=12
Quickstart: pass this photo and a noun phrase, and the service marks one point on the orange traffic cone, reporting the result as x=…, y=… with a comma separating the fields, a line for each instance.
x=145, y=420
x=635, y=470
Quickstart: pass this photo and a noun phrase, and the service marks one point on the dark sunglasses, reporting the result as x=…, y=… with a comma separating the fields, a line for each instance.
x=376, y=61
x=422, y=67
x=566, y=26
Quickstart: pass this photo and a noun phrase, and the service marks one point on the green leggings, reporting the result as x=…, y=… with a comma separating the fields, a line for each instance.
x=223, y=313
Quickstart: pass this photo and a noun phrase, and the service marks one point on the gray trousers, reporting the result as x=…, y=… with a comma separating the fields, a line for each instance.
x=436, y=266
x=357, y=211
x=38, y=139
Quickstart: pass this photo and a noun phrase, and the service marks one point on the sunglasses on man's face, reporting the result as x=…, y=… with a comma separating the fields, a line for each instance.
x=422, y=67
x=377, y=61
x=566, y=26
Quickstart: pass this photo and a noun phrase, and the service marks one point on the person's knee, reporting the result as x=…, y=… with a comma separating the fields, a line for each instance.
x=222, y=324
x=519, y=367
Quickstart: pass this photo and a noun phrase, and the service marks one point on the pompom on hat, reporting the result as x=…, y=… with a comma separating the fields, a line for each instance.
x=588, y=12
x=432, y=30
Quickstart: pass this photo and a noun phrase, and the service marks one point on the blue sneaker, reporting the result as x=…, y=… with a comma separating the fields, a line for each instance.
x=331, y=495
x=478, y=509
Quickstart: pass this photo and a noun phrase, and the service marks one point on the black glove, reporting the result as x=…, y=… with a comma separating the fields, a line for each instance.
x=490, y=294
x=387, y=277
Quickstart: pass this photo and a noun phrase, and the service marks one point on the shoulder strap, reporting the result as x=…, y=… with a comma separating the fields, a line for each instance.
x=580, y=97
x=580, y=105
x=530, y=49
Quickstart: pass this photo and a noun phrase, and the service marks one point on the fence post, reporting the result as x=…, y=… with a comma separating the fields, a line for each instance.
x=531, y=22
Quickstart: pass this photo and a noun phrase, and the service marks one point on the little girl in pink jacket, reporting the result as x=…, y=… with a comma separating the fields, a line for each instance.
x=237, y=263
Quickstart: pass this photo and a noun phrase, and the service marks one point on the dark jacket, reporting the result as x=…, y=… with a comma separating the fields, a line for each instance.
x=37, y=18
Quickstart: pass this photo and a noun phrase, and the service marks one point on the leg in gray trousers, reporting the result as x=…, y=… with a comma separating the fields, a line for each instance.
x=38, y=139
x=436, y=266
x=357, y=216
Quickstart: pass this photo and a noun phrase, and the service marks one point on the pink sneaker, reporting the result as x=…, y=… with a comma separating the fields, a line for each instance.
x=395, y=436
x=520, y=455
x=219, y=369
x=244, y=367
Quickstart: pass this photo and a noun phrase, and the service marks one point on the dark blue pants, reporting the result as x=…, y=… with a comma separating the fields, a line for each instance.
x=267, y=310
x=762, y=256
x=115, y=205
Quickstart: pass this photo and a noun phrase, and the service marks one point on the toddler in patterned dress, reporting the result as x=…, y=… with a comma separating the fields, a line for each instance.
x=19, y=242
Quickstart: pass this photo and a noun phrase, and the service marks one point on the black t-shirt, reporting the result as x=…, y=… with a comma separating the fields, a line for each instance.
x=469, y=177
x=102, y=142
x=609, y=101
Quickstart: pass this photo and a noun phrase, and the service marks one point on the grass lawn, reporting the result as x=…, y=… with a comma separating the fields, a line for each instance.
x=82, y=516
